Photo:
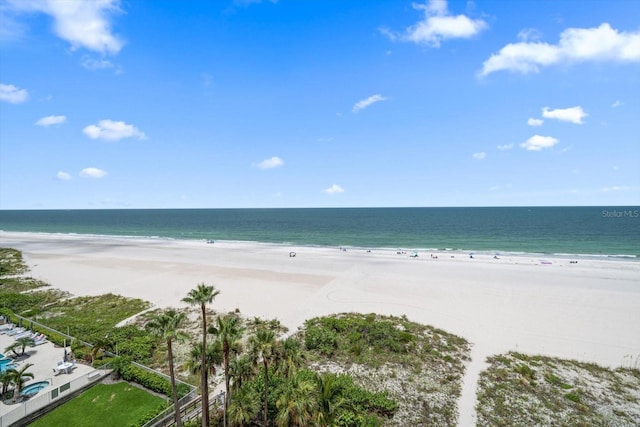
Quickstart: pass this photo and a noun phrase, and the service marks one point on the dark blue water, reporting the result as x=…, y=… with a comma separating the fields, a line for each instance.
x=613, y=231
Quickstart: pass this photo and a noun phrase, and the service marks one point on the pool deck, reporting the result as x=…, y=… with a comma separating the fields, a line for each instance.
x=44, y=358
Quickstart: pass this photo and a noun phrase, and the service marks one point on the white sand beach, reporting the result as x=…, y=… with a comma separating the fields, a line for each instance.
x=589, y=311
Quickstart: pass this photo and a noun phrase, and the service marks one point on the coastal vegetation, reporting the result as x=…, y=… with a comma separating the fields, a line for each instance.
x=11, y=262
x=20, y=292
x=524, y=390
x=418, y=366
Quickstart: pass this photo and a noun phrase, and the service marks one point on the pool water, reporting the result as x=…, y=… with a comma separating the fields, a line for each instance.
x=34, y=388
x=6, y=364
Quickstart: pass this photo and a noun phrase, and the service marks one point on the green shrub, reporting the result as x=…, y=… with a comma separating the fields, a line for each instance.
x=150, y=380
x=320, y=339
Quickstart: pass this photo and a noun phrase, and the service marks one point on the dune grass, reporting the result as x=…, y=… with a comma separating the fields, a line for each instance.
x=419, y=366
x=526, y=390
x=103, y=405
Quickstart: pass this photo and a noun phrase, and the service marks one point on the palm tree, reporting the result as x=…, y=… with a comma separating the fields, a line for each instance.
x=201, y=296
x=263, y=346
x=291, y=357
x=5, y=380
x=229, y=331
x=243, y=407
x=22, y=344
x=296, y=403
x=166, y=326
x=213, y=358
x=240, y=369
x=330, y=399
x=18, y=378
x=99, y=344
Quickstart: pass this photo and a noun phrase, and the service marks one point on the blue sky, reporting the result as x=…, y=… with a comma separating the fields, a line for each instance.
x=303, y=103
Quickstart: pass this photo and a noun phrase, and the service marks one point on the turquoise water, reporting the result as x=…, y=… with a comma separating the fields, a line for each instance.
x=5, y=364
x=601, y=231
x=34, y=388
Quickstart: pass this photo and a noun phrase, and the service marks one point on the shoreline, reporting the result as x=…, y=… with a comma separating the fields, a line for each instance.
x=453, y=252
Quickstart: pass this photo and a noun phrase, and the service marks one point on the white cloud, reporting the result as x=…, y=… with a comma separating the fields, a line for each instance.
x=479, y=156
x=273, y=162
x=10, y=29
x=63, y=176
x=535, y=122
x=505, y=147
x=84, y=24
x=96, y=64
x=537, y=143
x=616, y=104
x=110, y=130
x=529, y=34
x=51, y=120
x=571, y=115
x=438, y=25
x=92, y=173
x=334, y=189
x=576, y=45
x=12, y=94
x=361, y=105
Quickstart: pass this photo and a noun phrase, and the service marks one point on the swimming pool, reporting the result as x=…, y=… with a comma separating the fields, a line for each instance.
x=6, y=364
x=34, y=388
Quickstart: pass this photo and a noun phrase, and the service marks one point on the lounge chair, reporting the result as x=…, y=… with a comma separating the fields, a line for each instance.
x=26, y=334
x=42, y=341
x=16, y=331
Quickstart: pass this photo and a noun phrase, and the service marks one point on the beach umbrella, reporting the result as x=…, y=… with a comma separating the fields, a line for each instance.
x=64, y=357
x=31, y=326
x=20, y=323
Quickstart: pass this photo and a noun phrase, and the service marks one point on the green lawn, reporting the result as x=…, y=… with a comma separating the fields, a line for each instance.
x=103, y=405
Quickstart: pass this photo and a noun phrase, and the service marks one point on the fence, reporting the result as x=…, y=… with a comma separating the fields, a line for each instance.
x=57, y=394
x=190, y=410
x=187, y=404
x=28, y=322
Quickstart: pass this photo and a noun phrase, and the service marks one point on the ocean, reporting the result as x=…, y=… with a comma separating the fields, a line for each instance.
x=581, y=231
